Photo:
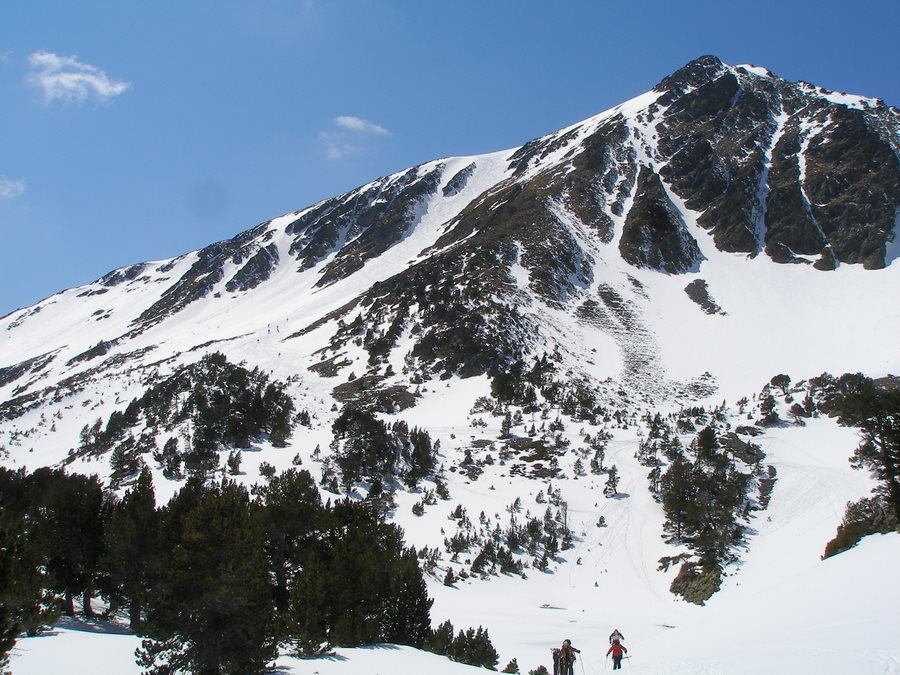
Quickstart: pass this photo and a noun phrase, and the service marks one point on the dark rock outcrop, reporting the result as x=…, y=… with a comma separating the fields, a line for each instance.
x=654, y=234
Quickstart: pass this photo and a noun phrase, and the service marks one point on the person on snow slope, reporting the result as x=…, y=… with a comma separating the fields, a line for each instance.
x=567, y=658
x=617, y=649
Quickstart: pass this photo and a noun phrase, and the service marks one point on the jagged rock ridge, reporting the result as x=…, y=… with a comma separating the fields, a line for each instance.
x=476, y=263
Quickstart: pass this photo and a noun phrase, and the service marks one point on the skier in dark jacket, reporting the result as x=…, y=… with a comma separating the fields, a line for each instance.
x=556, y=667
x=616, y=635
x=567, y=658
x=617, y=649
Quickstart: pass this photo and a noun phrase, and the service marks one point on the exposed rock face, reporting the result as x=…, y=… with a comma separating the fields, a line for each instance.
x=714, y=155
x=765, y=165
x=790, y=227
x=714, y=139
x=255, y=271
x=362, y=225
x=654, y=234
x=204, y=274
x=782, y=166
x=117, y=277
x=459, y=180
x=853, y=183
x=698, y=291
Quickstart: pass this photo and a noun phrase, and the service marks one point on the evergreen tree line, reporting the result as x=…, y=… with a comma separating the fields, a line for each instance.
x=214, y=580
x=499, y=550
x=366, y=448
x=472, y=646
x=215, y=404
x=705, y=495
x=519, y=385
x=873, y=407
x=702, y=492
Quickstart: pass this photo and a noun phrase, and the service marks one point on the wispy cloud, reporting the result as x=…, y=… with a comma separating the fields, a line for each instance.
x=337, y=145
x=67, y=79
x=348, y=137
x=10, y=189
x=361, y=125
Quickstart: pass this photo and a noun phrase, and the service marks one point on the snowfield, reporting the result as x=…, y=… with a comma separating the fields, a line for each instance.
x=781, y=610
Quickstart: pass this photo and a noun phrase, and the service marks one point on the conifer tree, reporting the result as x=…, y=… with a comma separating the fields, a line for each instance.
x=485, y=654
x=511, y=667
x=506, y=425
x=234, y=462
x=291, y=515
x=131, y=541
x=305, y=625
x=441, y=639
x=213, y=612
x=25, y=607
x=474, y=647
x=678, y=495
x=876, y=412
x=407, y=617
x=767, y=408
x=362, y=562
x=70, y=514
x=460, y=648
x=782, y=382
x=357, y=584
x=611, y=489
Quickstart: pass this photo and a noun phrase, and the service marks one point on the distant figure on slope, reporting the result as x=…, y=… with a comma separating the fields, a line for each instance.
x=617, y=649
x=616, y=635
x=556, y=656
x=567, y=658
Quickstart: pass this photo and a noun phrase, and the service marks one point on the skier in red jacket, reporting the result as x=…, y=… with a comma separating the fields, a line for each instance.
x=617, y=649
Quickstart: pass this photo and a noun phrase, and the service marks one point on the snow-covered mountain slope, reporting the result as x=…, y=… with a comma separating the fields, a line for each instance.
x=678, y=250
x=645, y=231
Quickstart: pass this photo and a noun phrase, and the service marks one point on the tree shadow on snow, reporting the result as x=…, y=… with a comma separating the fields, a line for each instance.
x=327, y=656
x=90, y=625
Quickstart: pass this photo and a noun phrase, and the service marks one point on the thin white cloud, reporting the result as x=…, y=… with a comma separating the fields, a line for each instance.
x=337, y=145
x=361, y=125
x=10, y=189
x=347, y=139
x=67, y=79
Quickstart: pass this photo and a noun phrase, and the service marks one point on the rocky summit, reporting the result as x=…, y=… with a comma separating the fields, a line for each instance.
x=475, y=263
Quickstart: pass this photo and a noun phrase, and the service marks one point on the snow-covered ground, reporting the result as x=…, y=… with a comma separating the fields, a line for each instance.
x=781, y=610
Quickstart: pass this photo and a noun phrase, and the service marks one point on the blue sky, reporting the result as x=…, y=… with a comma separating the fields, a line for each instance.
x=134, y=130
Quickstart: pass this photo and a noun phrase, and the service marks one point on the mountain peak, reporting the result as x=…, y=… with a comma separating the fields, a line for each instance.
x=693, y=74
x=462, y=260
